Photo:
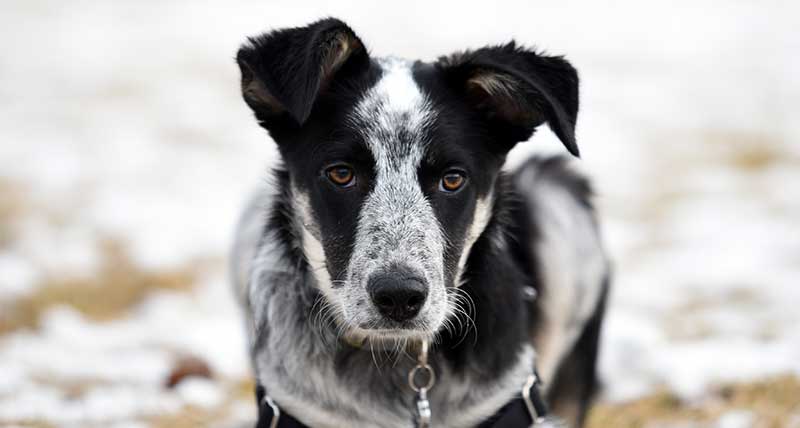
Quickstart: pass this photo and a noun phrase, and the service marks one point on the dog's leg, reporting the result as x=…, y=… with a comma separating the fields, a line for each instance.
x=575, y=382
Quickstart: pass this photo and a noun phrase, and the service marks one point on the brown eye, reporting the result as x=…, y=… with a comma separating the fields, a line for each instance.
x=341, y=175
x=452, y=181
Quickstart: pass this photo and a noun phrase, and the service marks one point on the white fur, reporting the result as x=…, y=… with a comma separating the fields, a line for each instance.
x=488, y=401
x=480, y=219
x=312, y=247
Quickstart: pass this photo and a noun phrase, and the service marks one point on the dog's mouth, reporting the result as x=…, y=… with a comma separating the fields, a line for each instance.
x=379, y=338
x=362, y=325
x=390, y=329
x=370, y=325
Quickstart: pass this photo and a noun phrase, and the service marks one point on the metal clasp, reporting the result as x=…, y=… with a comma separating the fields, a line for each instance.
x=276, y=411
x=423, y=409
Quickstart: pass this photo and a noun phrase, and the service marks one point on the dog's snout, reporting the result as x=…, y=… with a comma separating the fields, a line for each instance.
x=397, y=296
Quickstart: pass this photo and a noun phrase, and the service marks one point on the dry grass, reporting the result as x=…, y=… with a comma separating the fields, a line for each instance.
x=750, y=152
x=743, y=151
x=12, y=206
x=188, y=417
x=33, y=424
x=686, y=322
x=193, y=417
x=773, y=401
x=108, y=294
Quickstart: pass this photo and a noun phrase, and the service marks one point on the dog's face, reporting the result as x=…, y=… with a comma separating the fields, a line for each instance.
x=393, y=164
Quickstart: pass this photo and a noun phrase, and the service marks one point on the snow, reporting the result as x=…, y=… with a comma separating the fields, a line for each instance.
x=125, y=363
x=200, y=393
x=123, y=121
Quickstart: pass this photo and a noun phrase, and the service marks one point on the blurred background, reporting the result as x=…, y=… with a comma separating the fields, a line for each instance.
x=126, y=153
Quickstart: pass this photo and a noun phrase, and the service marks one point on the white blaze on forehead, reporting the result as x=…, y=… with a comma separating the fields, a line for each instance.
x=394, y=105
x=398, y=86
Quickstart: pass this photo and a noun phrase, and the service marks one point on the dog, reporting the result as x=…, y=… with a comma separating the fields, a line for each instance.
x=390, y=222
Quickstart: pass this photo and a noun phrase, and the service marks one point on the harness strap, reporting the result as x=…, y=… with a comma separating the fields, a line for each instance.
x=270, y=415
x=527, y=410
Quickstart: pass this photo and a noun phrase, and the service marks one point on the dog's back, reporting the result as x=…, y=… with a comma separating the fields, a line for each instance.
x=574, y=272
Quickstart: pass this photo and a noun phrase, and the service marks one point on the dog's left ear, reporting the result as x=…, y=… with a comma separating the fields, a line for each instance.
x=517, y=90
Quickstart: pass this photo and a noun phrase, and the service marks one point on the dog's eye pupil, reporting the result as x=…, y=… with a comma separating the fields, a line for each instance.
x=340, y=175
x=452, y=181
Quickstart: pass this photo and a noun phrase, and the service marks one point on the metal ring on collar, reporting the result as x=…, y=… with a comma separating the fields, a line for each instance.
x=412, y=377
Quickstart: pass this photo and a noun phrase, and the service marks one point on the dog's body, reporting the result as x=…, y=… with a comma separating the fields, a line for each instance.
x=390, y=223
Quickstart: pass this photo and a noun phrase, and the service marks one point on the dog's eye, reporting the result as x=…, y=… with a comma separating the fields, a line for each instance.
x=452, y=181
x=341, y=175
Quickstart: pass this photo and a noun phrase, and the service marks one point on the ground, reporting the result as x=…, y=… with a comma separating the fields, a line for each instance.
x=127, y=153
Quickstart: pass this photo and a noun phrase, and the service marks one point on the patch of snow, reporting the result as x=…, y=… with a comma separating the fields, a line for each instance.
x=736, y=419
x=18, y=276
x=200, y=392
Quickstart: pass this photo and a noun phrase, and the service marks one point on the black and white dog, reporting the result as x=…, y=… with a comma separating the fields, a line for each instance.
x=391, y=223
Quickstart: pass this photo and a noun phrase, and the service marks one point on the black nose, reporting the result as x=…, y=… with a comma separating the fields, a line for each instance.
x=397, y=295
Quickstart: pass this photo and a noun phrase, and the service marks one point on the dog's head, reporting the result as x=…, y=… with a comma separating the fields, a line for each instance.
x=393, y=164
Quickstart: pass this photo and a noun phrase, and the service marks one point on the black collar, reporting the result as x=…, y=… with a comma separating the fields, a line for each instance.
x=524, y=410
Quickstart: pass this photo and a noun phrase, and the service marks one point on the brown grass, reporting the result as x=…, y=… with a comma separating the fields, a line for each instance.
x=750, y=152
x=192, y=417
x=12, y=206
x=744, y=151
x=188, y=417
x=773, y=401
x=108, y=294
x=33, y=424
x=687, y=323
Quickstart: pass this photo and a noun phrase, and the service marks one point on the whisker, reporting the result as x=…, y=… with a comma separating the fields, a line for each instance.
x=461, y=306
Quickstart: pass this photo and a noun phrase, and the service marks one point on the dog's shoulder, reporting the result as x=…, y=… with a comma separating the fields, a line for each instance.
x=559, y=201
x=570, y=259
x=553, y=173
x=248, y=236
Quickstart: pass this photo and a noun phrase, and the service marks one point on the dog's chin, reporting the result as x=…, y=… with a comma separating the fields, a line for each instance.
x=387, y=339
x=393, y=333
x=388, y=331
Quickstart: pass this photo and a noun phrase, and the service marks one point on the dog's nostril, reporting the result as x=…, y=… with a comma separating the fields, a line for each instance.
x=384, y=301
x=414, y=302
x=397, y=297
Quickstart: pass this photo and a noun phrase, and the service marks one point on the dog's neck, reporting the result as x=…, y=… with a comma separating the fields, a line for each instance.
x=306, y=367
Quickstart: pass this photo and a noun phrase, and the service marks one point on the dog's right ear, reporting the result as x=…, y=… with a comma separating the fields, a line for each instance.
x=285, y=71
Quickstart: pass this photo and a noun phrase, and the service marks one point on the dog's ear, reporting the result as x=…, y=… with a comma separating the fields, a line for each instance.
x=285, y=71
x=517, y=90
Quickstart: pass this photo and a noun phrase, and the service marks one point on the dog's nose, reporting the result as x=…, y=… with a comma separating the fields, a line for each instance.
x=397, y=296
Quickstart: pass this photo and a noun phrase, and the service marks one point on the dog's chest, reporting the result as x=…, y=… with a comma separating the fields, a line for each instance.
x=355, y=388
x=304, y=367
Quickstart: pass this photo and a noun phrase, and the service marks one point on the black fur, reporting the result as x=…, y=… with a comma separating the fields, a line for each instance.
x=292, y=83
x=533, y=88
